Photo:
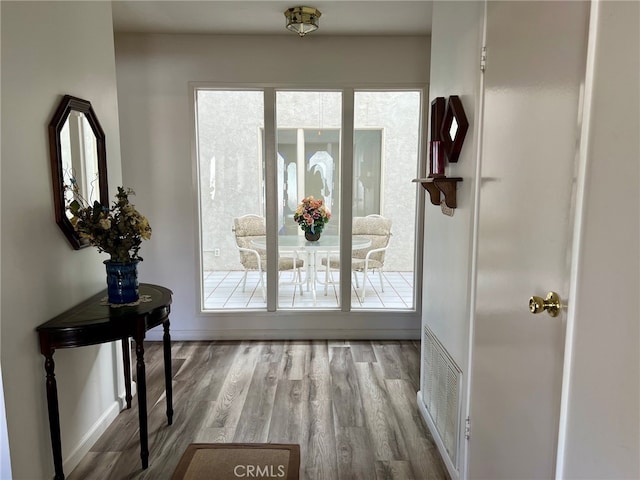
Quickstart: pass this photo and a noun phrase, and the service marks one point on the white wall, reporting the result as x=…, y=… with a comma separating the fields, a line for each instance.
x=154, y=72
x=50, y=49
x=602, y=431
x=448, y=245
x=455, y=59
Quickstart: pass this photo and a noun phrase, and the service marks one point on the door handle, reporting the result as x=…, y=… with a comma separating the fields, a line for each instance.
x=551, y=303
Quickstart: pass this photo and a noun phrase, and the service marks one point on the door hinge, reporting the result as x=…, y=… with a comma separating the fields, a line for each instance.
x=483, y=59
x=467, y=428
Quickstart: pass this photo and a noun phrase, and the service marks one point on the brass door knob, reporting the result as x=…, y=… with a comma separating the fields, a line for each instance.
x=551, y=304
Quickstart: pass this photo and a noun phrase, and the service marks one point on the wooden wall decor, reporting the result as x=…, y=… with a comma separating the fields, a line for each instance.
x=441, y=188
x=436, y=147
x=454, y=112
x=447, y=119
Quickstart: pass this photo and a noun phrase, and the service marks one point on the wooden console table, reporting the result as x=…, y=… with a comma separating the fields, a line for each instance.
x=93, y=322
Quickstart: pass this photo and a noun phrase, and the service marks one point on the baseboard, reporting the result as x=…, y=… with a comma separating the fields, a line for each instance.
x=122, y=398
x=426, y=416
x=298, y=334
x=91, y=437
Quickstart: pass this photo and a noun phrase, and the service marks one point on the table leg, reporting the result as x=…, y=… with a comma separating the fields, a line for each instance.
x=54, y=414
x=166, y=339
x=308, y=265
x=312, y=273
x=126, y=361
x=142, y=399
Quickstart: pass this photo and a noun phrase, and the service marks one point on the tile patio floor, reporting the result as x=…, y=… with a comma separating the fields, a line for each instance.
x=223, y=290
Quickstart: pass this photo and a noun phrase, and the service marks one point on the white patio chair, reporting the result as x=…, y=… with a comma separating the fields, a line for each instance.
x=252, y=227
x=371, y=259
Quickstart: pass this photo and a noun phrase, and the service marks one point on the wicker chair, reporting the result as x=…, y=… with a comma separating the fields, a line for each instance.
x=252, y=227
x=377, y=229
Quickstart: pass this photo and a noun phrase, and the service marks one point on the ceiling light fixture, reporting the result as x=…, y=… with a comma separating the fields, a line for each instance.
x=302, y=20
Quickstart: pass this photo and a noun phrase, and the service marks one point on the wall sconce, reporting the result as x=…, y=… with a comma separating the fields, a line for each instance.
x=302, y=20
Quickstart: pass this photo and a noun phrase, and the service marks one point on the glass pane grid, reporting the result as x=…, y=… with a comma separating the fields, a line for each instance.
x=232, y=166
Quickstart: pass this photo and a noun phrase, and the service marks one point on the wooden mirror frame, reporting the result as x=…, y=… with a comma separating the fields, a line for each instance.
x=453, y=146
x=436, y=146
x=66, y=106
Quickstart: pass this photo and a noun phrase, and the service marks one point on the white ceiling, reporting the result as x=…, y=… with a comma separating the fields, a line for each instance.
x=266, y=17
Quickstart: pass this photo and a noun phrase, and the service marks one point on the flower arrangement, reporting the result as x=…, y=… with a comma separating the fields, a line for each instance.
x=118, y=231
x=312, y=215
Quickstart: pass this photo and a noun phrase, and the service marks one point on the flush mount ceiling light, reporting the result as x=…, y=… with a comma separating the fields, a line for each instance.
x=302, y=20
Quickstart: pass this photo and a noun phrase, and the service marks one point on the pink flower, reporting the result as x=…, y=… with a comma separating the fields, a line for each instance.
x=311, y=214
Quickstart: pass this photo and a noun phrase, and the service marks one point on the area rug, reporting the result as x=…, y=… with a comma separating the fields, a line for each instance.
x=231, y=461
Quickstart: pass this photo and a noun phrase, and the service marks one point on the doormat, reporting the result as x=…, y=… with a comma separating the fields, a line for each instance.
x=231, y=461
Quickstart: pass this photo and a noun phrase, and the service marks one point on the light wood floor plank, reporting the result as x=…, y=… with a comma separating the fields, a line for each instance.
x=287, y=423
x=350, y=405
x=295, y=358
x=320, y=449
x=387, y=441
x=253, y=425
x=272, y=352
x=355, y=455
x=214, y=435
x=95, y=466
x=418, y=442
x=411, y=355
x=205, y=365
x=234, y=390
x=362, y=351
x=166, y=442
x=394, y=470
x=391, y=359
x=345, y=392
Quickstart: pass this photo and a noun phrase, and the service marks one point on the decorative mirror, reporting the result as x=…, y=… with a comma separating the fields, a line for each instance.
x=454, y=128
x=78, y=161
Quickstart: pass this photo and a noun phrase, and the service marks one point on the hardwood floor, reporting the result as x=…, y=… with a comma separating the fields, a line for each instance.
x=350, y=405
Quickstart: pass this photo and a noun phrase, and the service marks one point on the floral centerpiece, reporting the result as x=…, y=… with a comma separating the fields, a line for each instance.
x=118, y=231
x=312, y=215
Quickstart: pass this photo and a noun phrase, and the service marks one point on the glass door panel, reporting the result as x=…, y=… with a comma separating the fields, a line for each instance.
x=308, y=127
x=231, y=182
x=386, y=152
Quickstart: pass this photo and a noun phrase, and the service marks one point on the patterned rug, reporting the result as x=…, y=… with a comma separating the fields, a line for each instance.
x=231, y=461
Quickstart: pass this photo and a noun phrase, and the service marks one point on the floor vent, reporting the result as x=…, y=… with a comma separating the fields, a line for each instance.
x=441, y=383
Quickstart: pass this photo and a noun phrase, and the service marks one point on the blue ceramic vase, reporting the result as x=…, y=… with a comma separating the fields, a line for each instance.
x=122, y=281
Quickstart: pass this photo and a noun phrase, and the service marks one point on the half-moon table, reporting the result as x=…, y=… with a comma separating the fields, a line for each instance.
x=94, y=321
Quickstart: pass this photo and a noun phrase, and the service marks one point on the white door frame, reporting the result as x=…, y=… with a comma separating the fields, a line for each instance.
x=576, y=251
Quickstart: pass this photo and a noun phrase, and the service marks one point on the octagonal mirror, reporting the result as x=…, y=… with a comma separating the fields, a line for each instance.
x=78, y=161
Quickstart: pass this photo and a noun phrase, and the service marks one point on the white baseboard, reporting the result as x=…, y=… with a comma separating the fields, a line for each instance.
x=91, y=437
x=277, y=334
x=96, y=430
x=122, y=398
x=426, y=416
